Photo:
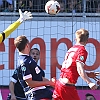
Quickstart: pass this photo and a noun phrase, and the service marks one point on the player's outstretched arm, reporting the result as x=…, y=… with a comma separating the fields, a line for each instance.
x=83, y=75
x=23, y=16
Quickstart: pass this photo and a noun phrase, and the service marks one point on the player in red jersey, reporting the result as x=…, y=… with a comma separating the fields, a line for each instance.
x=72, y=68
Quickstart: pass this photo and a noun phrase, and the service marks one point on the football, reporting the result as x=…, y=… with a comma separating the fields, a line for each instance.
x=52, y=7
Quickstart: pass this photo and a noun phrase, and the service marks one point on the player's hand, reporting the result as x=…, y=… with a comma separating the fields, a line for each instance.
x=50, y=83
x=53, y=80
x=13, y=97
x=94, y=76
x=91, y=75
x=25, y=16
x=92, y=86
x=98, y=82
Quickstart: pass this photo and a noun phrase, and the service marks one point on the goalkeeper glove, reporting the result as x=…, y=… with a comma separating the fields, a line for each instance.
x=24, y=16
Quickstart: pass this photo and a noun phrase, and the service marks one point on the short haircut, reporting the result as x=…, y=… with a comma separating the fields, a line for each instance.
x=88, y=94
x=35, y=49
x=82, y=34
x=20, y=42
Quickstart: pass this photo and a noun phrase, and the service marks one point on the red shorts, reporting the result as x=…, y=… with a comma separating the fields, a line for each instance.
x=65, y=92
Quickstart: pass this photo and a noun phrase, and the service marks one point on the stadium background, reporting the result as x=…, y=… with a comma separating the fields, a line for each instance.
x=53, y=35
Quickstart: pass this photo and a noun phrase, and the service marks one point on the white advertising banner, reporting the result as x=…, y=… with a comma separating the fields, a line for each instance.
x=53, y=38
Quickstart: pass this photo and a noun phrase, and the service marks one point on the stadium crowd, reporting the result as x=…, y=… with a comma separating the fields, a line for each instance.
x=92, y=6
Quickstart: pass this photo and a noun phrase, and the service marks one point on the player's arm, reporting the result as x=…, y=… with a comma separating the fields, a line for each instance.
x=11, y=88
x=13, y=80
x=83, y=75
x=27, y=76
x=23, y=16
x=45, y=79
x=9, y=30
x=33, y=83
x=81, y=72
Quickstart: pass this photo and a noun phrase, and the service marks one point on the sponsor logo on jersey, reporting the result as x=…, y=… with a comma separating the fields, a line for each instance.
x=81, y=58
x=23, y=68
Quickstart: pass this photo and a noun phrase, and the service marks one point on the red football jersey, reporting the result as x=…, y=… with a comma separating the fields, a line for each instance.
x=69, y=68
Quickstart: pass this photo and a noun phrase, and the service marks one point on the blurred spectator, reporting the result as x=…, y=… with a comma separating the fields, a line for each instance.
x=74, y=6
x=98, y=8
x=31, y=5
x=71, y=6
x=1, y=2
x=7, y=6
x=62, y=5
x=25, y=5
x=91, y=6
x=89, y=97
x=62, y=8
x=1, y=5
x=39, y=5
x=78, y=6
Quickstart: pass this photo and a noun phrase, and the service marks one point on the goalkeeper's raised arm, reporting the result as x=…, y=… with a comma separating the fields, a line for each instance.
x=23, y=16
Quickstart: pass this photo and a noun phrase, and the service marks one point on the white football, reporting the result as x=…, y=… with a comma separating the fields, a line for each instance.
x=52, y=7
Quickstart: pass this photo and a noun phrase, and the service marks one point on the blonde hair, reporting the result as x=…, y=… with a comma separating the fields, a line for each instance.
x=82, y=35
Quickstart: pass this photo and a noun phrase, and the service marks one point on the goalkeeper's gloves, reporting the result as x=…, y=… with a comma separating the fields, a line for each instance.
x=24, y=16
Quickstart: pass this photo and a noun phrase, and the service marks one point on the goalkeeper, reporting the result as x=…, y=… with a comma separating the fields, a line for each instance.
x=23, y=16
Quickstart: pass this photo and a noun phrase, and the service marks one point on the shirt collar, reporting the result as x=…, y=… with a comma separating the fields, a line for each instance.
x=23, y=54
x=79, y=44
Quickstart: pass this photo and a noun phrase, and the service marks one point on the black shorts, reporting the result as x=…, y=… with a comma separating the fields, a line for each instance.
x=18, y=98
x=40, y=94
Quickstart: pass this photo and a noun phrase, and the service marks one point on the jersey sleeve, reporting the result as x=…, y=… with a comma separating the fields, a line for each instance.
x=42, y=72
x=9, y=30
x=82, y=56
x=14, y=77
